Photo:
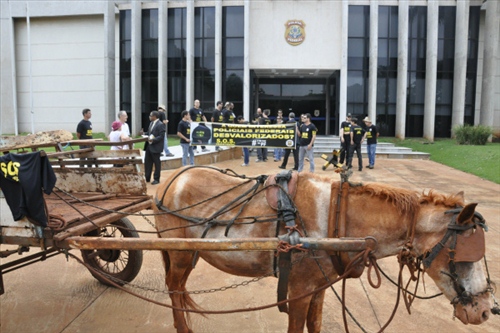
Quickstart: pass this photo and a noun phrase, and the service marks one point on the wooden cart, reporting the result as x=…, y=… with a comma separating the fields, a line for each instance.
x=95, y=191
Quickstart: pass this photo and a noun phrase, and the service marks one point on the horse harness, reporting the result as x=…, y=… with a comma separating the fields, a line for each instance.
x=462, y=249
x=280, y=198
x=279, y=194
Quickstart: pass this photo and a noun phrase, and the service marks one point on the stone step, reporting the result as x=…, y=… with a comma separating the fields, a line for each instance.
x=325, y=144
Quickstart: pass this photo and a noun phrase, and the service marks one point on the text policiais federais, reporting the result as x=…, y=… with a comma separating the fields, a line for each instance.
x=242, y=132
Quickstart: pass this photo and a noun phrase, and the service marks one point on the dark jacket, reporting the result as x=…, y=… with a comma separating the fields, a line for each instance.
x=158, y=132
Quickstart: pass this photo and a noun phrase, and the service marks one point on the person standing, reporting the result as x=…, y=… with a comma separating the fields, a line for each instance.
x=84, y=132
x=117, y=134
x=278, y=152
x=291, y=120
x=371, y=136
x=345, y=138
x=357, y=137
x=122, y=117
x=197, y=115
x=162, y=111
x=228, y=114
x=307, y=133
x=184, y=133
x=217, y=117
x=153, y=147
x=246, y=152
x=257, y=116
x=262, y=152
x=84, y=127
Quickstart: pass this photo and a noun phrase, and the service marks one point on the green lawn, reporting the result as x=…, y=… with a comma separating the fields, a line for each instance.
x=482, y=161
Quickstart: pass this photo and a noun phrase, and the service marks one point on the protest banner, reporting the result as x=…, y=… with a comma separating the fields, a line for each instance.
x=244, y=135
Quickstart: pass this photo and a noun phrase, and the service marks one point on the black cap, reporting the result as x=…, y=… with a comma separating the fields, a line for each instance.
x=349, y=115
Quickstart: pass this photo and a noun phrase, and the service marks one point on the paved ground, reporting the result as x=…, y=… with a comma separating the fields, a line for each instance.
x=61, y=296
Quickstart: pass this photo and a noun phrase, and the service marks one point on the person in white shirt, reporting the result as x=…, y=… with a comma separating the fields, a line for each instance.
x=122, y=117
x=117, y=135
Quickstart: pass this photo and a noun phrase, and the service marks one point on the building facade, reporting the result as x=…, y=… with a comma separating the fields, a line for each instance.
x=417, y=67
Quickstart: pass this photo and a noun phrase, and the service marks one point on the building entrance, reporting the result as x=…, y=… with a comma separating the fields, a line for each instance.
x=314, y=96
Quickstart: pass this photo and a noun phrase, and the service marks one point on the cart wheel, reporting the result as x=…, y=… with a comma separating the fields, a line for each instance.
x=121, y=264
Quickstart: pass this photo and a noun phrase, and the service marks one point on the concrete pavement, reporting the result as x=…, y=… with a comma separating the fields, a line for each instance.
x=61, y=296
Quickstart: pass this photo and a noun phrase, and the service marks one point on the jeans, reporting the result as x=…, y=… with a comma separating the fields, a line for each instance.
x=165, y=146
x=303, y=152
x=278, y=153
x=371, y=148
x=187, y=150
x=246, y=155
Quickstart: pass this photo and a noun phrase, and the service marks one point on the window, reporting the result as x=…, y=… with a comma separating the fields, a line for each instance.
x=232, y=56
x=387, y=69
x=204, y=57
x=417, y=48
x=357, y=61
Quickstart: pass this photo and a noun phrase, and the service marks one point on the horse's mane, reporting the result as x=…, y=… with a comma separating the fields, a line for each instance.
x=405, y=201
x=432, y=197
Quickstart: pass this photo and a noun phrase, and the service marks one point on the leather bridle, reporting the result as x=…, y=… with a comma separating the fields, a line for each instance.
x=458, y=253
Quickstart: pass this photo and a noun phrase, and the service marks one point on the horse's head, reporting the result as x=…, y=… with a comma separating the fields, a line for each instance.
x=454, y=262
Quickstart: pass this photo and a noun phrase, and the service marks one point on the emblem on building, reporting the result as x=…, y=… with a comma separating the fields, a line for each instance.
x=295, y=32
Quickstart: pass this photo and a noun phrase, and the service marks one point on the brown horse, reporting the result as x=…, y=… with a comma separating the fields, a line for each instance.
x=203, y=201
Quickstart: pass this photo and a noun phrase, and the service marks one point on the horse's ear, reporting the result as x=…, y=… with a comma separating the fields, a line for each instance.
x=466, y=214
x=460, y=195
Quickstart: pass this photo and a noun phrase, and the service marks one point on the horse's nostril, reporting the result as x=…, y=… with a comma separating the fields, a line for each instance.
x=486, y=315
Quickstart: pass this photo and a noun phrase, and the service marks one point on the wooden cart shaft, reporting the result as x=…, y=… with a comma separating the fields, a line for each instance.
x=207, y=244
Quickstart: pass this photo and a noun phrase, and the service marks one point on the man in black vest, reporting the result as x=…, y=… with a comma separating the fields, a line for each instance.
x=291, y=120
x=345, y=138
x=357, y=137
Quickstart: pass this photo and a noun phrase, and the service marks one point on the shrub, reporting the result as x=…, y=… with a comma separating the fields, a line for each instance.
x=472, y=135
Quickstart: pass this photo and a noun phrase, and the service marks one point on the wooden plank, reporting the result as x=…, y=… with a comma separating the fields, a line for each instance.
x=104, y=180
x=70, y=153
x=102, y=221
x=112, y=153
x=211, y=244
x=78, y=213
x=110, y=161
x=41, y=138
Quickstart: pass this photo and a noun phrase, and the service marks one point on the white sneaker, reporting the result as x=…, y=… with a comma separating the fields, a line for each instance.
x=307, y=159
x=244, y=164
x=257, y=160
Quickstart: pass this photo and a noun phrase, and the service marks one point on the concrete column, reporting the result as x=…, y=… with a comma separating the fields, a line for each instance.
x=246, y=62
x=136, y=58
x=491, y=36
x=189, y=54
x=8, y=76
x=431, y=69
x=218, y=50
x=110, y=110
x=373, y=61
x=343, y=66
x=460, y=69
x=163, y=53
x=402, y=69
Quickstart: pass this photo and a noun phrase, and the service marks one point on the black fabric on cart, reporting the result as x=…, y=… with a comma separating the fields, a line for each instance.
x=23, y=177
